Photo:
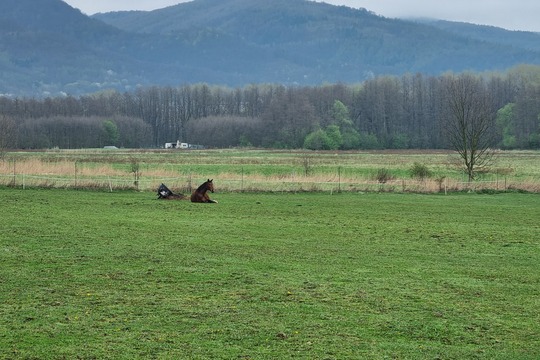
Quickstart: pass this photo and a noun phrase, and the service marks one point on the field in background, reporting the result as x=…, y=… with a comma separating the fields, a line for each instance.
x=265, y=170
x=96, y=275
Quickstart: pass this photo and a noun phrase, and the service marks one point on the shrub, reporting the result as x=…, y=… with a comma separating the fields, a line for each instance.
x=318, y=140
x=383, y=175
x=420, y=171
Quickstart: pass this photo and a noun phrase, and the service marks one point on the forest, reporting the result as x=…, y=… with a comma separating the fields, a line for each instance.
x=386, y=112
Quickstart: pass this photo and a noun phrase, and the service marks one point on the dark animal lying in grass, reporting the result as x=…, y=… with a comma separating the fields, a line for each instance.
x=200, y=195
x=166, y=194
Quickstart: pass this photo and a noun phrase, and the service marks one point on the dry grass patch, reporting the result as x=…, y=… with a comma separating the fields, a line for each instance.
x=258, y=170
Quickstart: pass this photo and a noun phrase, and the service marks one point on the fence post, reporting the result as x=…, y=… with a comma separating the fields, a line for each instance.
x=339, y=179
x=14, y=172
x=76, y=173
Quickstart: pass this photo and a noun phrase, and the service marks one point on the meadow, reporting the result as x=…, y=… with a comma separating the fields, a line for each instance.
x=267, y=170
x=121, y=275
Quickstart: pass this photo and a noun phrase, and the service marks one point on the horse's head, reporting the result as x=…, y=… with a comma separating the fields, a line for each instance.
x=210, y=185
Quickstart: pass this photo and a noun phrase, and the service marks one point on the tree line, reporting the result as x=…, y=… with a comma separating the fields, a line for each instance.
x=397, y=112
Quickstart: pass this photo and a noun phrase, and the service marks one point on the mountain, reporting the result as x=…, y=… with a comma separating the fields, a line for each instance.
x=48, y=47
x=327, y=43
x=521, y=39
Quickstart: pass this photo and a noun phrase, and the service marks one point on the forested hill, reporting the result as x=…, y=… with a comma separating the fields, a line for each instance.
x=317, y=42
x=521, y=39
x=47, y=47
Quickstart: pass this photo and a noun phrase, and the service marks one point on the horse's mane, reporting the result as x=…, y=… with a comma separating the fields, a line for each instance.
x=202, y=187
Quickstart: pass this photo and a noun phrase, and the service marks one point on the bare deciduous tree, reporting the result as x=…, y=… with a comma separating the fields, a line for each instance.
x=470, y=121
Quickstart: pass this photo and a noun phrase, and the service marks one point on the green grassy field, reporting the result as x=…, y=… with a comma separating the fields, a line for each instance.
x=96, y=275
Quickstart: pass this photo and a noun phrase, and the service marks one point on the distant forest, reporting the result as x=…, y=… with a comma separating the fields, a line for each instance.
x=391, y=112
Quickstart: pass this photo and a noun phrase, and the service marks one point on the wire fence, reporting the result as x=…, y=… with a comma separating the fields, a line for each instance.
x=185, y=184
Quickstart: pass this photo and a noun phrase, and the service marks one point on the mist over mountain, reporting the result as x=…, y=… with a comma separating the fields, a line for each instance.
x=49, y=48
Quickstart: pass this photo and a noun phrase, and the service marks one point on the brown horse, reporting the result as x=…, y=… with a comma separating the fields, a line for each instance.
x=200, y=195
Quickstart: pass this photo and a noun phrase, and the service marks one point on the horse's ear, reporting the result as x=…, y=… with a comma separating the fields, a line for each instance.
x=210, y=180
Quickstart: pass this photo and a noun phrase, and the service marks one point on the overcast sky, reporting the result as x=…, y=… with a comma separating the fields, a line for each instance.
x=509, y=14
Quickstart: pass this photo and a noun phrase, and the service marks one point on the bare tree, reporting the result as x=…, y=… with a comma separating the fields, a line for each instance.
x=470, y=121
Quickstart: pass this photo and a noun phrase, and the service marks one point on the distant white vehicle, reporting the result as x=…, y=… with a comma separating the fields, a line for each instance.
x=177, y=145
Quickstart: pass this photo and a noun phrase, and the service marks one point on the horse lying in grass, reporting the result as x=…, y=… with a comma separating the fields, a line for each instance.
x=201, y=194
x=166, y=194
